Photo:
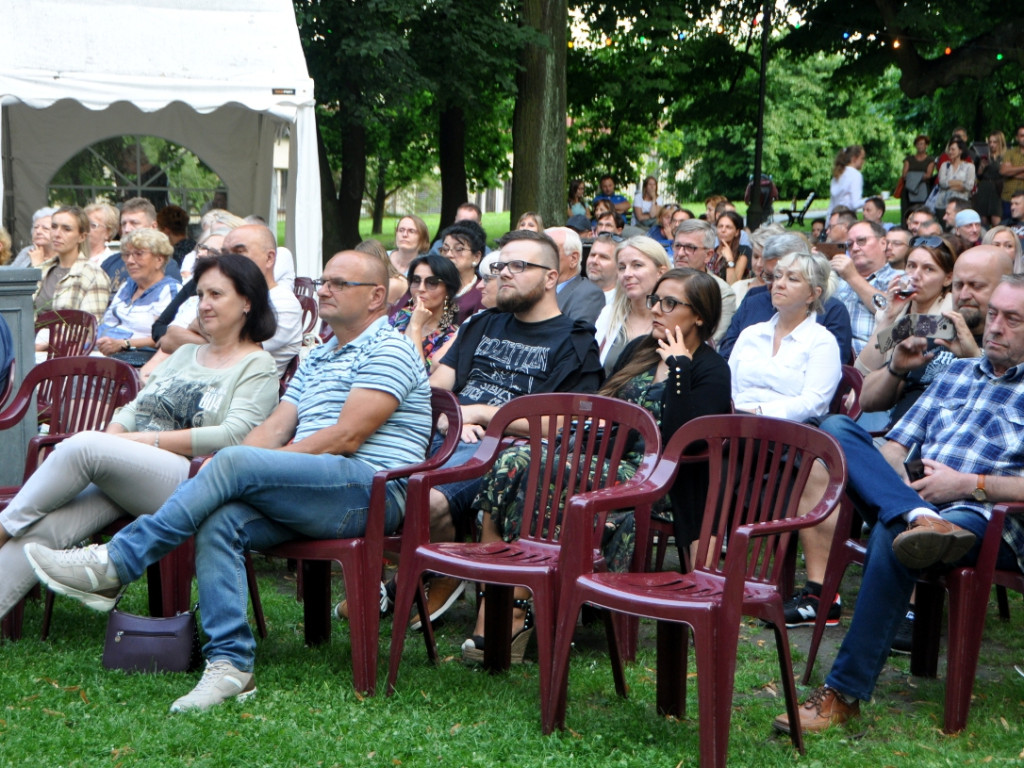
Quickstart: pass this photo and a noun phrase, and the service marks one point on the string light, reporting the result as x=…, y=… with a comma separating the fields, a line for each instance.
x=948, y=50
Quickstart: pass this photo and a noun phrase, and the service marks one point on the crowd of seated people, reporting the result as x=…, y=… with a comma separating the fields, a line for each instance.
x=698, y=316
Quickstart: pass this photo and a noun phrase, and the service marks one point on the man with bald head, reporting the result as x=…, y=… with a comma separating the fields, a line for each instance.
x=358, y=404
x=578, y=298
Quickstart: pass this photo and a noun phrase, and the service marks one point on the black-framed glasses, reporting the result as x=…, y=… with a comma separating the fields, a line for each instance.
x=609, y=236
x=928, y=241
x=431, y=281
x=337, y=284
x=687, y=247
x=668, y=304
x=515, y=266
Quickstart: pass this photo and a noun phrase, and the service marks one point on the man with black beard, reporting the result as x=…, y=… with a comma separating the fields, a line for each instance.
x=523, y=346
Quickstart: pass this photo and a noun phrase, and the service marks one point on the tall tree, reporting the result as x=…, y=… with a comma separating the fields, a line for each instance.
x=358, y=56
x=538, y=123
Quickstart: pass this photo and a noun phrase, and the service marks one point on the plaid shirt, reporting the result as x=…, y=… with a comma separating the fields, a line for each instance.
x=972, y=421
x=85, y=287
x=862, y=319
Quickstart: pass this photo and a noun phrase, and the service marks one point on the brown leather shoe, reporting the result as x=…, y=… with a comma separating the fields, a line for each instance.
x=930, y=540
x=442, y=592
x=823, y=708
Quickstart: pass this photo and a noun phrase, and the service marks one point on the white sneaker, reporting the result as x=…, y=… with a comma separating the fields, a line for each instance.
x=79, y=573
x=220, y=682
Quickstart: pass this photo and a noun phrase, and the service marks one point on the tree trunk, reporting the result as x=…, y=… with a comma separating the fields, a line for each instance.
x=380, y=196
x=452, y=159
x=353, y=182
x=538, y=123
x=329, y=210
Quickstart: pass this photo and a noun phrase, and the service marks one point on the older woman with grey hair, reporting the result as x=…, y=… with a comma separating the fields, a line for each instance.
x=758, y=238
x=40, y=250
x=789, y=366
x=127, y=327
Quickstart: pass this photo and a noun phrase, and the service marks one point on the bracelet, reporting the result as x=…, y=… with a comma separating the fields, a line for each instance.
x=127, y=345
x=888, y=367
x=156, y=439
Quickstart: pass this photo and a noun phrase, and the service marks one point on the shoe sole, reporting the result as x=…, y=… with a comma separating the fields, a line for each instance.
x=93, y=600
x=811, y=623
x=926, y=548
x=473, y=655
x=455, y=595
x=240, y=697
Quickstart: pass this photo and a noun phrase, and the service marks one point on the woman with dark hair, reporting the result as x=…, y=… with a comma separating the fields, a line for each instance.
x=673, y=373
x=203, y=398
x=647, y=204
x=430, y=319
x=916, y=176
x=847, y=185
x=577, y=207
x=924, y=288
x=731, y=261
x=956, y=175
x=464, y=244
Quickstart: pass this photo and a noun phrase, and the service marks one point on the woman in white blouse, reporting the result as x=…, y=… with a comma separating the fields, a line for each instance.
x=789, y=366
x=847, y=185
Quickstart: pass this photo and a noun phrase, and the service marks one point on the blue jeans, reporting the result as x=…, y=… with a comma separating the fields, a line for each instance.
x=885, y=589
x=249, y=498
x=461, y=493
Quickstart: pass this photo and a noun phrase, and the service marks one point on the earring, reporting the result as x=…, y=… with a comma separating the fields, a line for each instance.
x=447, y=314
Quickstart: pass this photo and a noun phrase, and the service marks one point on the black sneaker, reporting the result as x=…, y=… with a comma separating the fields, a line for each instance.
x=904, y=640
x=802, y=610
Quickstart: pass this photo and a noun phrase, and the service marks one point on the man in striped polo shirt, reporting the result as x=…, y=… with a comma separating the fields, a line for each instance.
x=358, y=404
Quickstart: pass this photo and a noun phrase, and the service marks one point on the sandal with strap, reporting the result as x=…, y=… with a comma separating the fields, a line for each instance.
x=473, y=647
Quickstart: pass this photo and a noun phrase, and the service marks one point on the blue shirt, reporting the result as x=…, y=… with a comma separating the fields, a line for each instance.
x=382, y=359
x=972, y=421
x=862, y=319
x=757, y=307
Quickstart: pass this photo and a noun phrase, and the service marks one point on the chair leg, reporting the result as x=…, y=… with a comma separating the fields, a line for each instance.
x=966, y=623
x=11, y=624
x=673, y=649
x=408, y=591
x=316, y=603
x=254, y=597
x=716, y=668
x=615, y=653
x=498, y=629
x=553, y=709
x=1004, y=603
x=364, y=626
x=924, y=656
x=839, y=560
x=789, y=685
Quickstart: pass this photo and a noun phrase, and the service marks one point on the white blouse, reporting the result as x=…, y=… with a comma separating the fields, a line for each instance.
x=796, y=383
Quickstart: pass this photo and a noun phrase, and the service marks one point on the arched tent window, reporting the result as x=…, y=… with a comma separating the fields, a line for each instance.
x=123, y=167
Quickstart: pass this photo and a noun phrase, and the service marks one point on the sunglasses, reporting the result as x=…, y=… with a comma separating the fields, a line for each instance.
x=431, y=282
x=929, y=241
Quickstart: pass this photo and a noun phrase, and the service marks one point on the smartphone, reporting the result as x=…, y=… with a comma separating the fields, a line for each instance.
x=913, y=463
x=828, y=250
x=933, y=327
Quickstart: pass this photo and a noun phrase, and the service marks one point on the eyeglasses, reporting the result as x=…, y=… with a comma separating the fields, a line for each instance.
x=668, y=304
x=136, y=255
x=337, y=284
x=609, y=236
x=515, y=266
x=457, y=250
x=687, y=247
x=928, y=241
x=431, y=282
x=860, y=242
x=488, y=277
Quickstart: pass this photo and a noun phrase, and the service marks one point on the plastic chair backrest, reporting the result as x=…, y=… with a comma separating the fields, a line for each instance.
x=569, y=436
x=758, y=468
x=303, y=286
x=851, y=381
x=310, y=312
x=72, y=332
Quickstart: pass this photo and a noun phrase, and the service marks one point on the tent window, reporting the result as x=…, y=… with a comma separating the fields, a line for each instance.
x=119, y=168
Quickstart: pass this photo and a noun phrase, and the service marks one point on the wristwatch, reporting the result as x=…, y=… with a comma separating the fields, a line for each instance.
x=979, y=493
x=127, y=345
x=880, y=300
x=730, y=264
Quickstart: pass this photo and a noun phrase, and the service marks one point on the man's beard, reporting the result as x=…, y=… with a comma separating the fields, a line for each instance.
x=972, y=317
x=515, y=302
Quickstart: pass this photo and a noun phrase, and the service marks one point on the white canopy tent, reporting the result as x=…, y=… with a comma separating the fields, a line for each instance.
x=219, y=77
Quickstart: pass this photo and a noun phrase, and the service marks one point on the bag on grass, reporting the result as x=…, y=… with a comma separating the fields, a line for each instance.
x=152, y=644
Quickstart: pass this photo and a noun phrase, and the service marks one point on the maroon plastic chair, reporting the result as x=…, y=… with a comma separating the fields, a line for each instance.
x=969, y=590
x=598, y=431
x=758, y=467
x=72, y=332
x=303, y=286
x=850, y=381
x=360, y=559
x=7, y=385
x=310, y=313
x=84, y=392
x=286, y=377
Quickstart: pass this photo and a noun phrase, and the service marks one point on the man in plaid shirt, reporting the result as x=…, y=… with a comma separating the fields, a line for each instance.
x=969, y=425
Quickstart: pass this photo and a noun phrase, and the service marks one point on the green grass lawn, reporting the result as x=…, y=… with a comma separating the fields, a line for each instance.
x=62, y=709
